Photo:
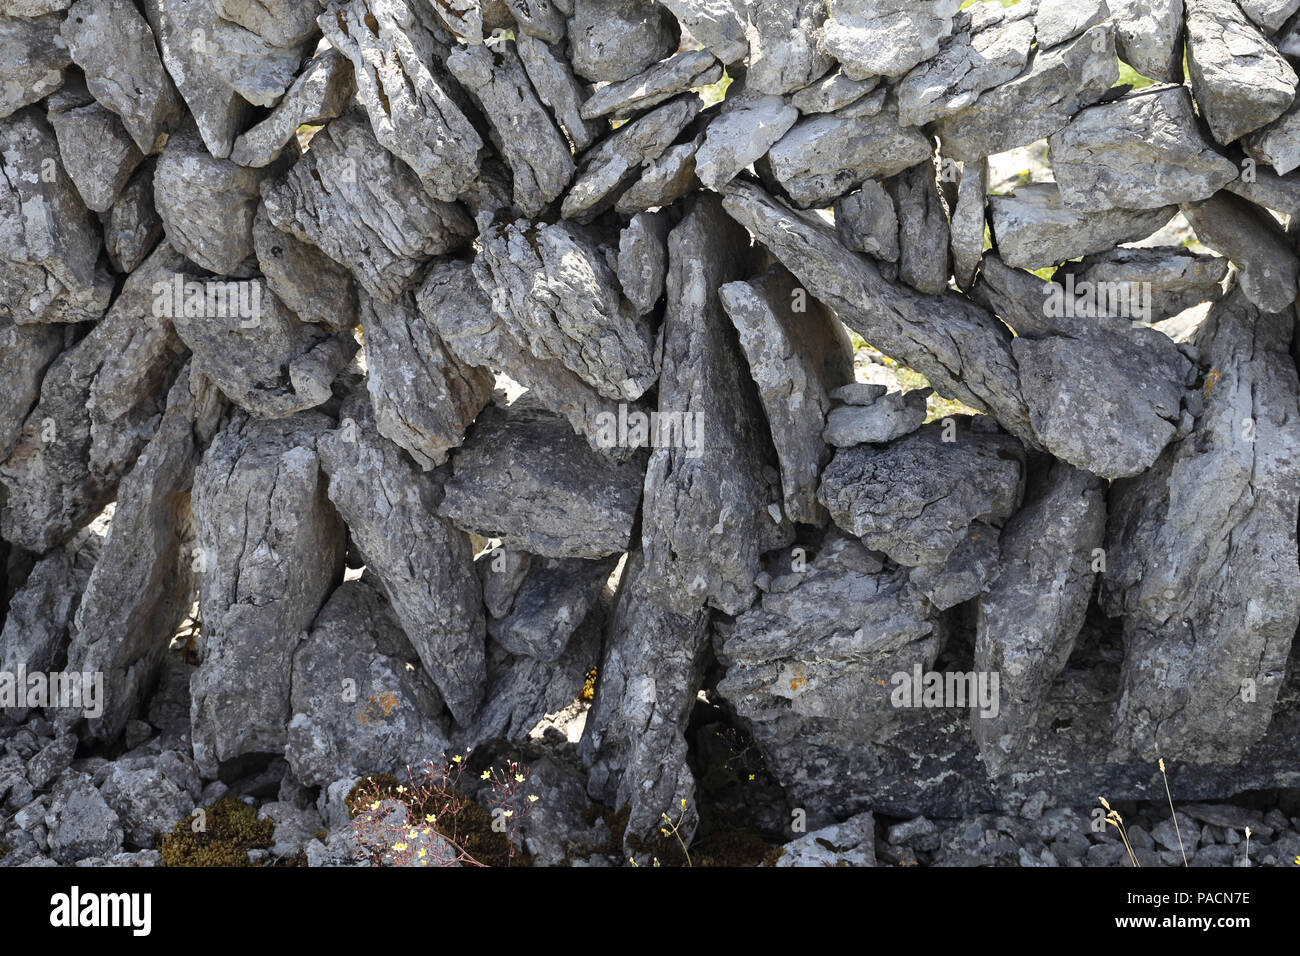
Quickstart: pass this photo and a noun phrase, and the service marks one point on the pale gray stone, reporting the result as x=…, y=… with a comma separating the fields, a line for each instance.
x=886, y=37
x=320, y=93
x=677, y=74
x=1256, y=244
x=612, y=40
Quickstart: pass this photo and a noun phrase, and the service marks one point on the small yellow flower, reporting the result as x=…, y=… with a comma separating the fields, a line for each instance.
x=663, y=831
x=375, y=805
x=401, y=789
x=532, y=798
x=751, y=776
x=683, y=803
x=519, y=778
x=507, y=813
x=421, y=854
x=399, y=847
x=430, y=818
x=456, y=759
x=1297, y=861
x=484, y=775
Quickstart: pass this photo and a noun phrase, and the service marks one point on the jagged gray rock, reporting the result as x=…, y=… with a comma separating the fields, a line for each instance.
x=516, y=458
x=145, y=579
x=26, y=351
x=133, y=227
x=424, y=397
x=612, y=40
x=1141, y=151
x=1239, y=79
x=552, y=77
x=320, y=92
x=1029, y=619
x=867, y=221
x=643, y=260
x=1174, y=278
x=611, y=167
x=664, y=180
x=886, y=416
x=1150, y=35
x=798, y=353
x=711, y=497
x=833, y=92
x=527, y=138
x=397, y=51
x=339, y=220
x=1255, y=243
x=555, y=291
x=49, y=240
x=100, y=403
x=1055, y=85
x=680, y=72
x=357, y=708
x=634, y=744
x=783, y=50
x=424, y=564
x=114, y=45
x=915, y=498
x=826, y=155
x=311, y=284
x=924, y=261
x=274, y=551
x=1278, y=143
x=97, y=153
x=746, y=128
x=968, y=221
x=552, y=602
x=33, y=56
x=1033, y=228
x=718, y=24
x=887, y=37
x=280, y=23
x=1209, y=625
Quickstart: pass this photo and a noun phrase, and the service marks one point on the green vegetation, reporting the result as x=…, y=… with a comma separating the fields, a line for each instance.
x=230, y=830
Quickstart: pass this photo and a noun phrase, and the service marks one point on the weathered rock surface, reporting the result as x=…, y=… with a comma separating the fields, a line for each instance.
x=921, y=518
x=876, y=418
x=680, y=72
x=320, y=93
x=1239, y=79
x=329, y=196
x=552, y=602
x=798, y=353
x=1252, y=239
x=275, y=552
x=1149, y=36
x=613, y=40
x=783, y=51
x=1209, y=621
x=33, y=54
x=1030, y=618
x=552, y=77
x=1033, y=228
x=424, y=564
x=357, y=708
x=748, y=126
x=522, y=476
x=1142, y=151
x=867, y=221
x=923, y=235
x=643, y=260
x=886, y=38
x=711, y=497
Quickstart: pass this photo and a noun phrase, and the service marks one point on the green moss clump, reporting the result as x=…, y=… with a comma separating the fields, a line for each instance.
x=232, y=829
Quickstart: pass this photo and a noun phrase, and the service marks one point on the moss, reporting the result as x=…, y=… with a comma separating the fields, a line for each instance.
x=732, y=848
x=231, y=830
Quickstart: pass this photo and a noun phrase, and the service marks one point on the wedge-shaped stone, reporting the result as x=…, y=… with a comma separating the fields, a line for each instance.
x=783, y=51
x=552, y=602
x=1124, y=396
x=26, y=351
x=748, y=125
x=1029, y=619
x=664, y=180
x=557, y=294
x=423, y=395
x=273, y=551
x=827, y=155
x=144, y=582
x=321, y=92
x=522, y=476
x=114, y=46
x=613, y=40
x=677, y=74
x=283, y=23
x=266, y=360
x=97, y=153
x=552, y=77
x=611, y=167
x=1150, y=36
x=1173, y=278
x=718, y=24
x=797, y=357
x=1141, y=151
x=474, y=332
x=397, y=51
x=313, y=286
x=332, y=197
x=1256, y=244
x=915, y=498
x=1278, y=143
x=33, y=56
x=1201, y=554
x=886, y=37
x=968, y=221
x=1032, y=228
x=425, y=565
x=711, y=496
x=923, y=234
x=634, y=743
x=133, y=227
x=207, y=205
x=392, y=722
